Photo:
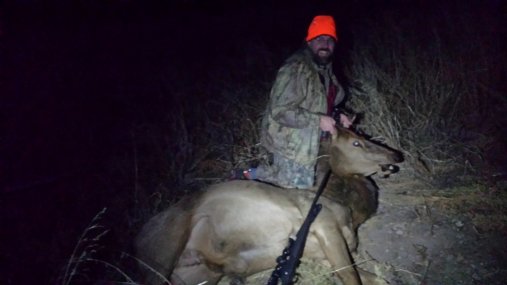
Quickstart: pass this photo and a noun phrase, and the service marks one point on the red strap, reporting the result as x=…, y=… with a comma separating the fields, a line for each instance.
x=331, y=96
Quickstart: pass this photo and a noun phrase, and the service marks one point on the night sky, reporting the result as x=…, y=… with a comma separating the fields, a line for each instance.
x=76, y=69
x=77, y=75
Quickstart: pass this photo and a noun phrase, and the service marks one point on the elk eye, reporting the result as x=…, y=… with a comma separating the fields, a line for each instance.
x=356, y=143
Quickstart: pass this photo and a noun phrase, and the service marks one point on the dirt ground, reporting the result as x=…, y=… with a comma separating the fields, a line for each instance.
x=414, y=240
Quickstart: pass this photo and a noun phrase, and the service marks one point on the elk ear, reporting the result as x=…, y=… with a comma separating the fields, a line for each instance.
x=353, y=118
x=334, y=135
x=338, y=130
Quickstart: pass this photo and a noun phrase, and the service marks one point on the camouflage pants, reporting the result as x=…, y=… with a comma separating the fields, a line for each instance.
x=289, y=174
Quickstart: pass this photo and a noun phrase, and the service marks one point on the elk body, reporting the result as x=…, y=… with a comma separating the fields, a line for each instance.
x=239, y=228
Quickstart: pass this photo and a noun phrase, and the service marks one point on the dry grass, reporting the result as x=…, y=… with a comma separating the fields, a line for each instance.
x=485, y=207
x=423, y=92
x=85, y=254
x=309, y=273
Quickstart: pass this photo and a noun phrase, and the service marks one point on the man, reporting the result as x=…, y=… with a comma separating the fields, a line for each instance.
x=299, y=110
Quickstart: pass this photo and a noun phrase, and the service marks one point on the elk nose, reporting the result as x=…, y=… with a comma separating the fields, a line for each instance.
x=397, y=157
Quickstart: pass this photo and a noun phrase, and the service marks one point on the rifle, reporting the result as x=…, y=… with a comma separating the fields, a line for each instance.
x=290, y=259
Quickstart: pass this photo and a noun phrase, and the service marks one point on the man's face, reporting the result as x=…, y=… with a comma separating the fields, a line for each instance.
x=322, y=48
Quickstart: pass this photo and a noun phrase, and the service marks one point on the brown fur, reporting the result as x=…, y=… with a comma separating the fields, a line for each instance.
x=238, y=228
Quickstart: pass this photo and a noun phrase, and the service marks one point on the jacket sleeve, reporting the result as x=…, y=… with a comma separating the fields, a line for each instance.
x=289, y=91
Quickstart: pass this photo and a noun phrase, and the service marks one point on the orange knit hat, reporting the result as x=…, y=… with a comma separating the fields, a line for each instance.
x=321, y=25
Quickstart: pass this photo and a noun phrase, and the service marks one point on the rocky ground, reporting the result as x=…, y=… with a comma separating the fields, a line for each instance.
x=415, y=239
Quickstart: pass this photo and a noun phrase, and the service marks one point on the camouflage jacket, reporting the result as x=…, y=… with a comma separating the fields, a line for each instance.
x=290, y=126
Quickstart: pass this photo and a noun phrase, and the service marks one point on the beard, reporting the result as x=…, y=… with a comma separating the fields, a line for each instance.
x=323, y=59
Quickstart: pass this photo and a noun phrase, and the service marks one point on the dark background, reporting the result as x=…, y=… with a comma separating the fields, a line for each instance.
x=76, y=76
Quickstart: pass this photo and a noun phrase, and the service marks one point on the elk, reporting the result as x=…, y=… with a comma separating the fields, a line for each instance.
x=238, y=228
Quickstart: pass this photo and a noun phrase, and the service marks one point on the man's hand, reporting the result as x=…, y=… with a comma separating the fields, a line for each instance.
x=327, y=124
x=346, y=121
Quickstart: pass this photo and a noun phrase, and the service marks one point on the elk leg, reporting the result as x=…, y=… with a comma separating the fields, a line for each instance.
x=370, y=278
x=195, y=274
x=335, y=248
x=189, y=258
x=199, y=261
